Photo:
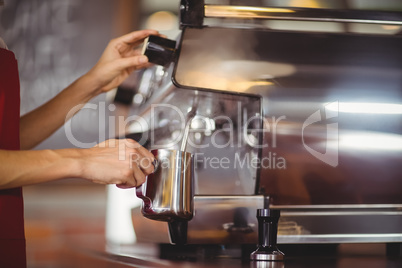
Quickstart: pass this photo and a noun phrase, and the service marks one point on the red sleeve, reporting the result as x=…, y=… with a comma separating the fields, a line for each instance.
x=12, y=238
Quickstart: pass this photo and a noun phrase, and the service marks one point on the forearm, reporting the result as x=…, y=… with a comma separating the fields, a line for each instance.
x=42, y=122
x=121, y=162
x=19, y=168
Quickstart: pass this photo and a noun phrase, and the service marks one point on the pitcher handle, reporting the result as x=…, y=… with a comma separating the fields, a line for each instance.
x=147, y=201
x=139, y=191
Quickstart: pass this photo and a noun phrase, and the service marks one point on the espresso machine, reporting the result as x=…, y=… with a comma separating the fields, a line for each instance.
x=306, y=123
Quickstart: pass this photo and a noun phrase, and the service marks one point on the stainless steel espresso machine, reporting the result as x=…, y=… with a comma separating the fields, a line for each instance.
x=308, y=123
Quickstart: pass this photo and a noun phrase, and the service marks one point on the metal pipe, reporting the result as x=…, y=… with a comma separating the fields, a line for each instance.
x=189, y=118
x=304, y=14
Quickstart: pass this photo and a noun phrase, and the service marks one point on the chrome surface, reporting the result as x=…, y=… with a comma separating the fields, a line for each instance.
x=220, y=137
x=168, y=193
x=266, y=257
x=329, y=113
x=341, y=238
x=303, y=14
x=267, y=264
x=379, y=207
x=333, y=210
x=212, y=213
x=349, y=154
x=147, y=255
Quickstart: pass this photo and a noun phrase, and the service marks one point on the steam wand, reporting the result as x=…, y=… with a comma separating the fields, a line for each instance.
x=189, y=118
x=178, y=229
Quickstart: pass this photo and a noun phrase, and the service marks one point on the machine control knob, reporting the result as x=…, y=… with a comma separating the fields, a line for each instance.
x=267, y=236
x=159, y=50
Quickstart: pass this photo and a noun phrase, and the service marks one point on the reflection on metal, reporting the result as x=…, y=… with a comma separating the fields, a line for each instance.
x=340, y=238
x=212, y=215
x=368, y=141
x=368, y=108
x=380, y=207
x=287, y=227
x=212, y=211
x=223, y=124
x=231, y=75
x=231, y=227
x=297, y=224
x=168, y=193
x=304, y=14
x=359, y=200
x=243, y=11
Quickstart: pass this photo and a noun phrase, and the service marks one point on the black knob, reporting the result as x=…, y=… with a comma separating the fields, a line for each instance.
x=267, y=236
x=159, y=50
x=192, y=13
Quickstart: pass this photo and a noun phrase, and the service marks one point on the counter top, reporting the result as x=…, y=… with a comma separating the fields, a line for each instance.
x=148, y=255
x=65, y=228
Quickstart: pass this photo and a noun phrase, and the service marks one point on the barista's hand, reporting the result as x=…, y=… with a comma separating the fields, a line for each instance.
x=122, y=162
x=120, y=58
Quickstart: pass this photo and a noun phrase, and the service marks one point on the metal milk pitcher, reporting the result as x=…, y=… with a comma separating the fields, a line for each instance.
x=168, y=193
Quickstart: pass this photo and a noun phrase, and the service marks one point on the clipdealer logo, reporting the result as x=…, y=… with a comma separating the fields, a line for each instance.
x=330, y=143
x=330, y=156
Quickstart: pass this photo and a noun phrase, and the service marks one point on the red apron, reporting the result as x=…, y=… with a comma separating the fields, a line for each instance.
x=12, y=238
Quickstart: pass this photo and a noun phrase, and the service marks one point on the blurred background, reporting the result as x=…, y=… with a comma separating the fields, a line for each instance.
x=56, y=41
